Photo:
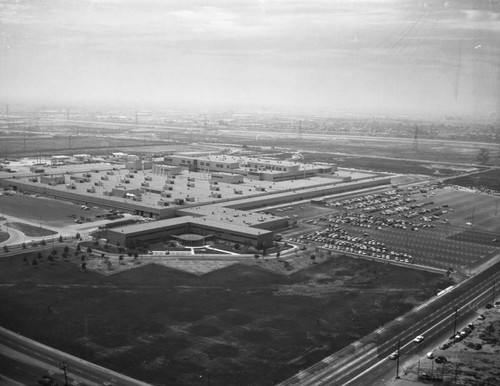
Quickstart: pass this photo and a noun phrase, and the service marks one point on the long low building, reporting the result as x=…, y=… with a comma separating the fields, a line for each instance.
x=159, y=230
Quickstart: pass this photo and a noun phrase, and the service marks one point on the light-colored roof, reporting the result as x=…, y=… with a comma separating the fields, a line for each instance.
x=176, y=221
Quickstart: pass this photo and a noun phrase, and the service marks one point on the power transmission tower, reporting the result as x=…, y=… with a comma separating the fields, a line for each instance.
x=415, y=138
x=205, y=128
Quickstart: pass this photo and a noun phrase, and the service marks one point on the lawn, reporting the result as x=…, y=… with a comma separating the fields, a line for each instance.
x=243, y=325
x=30, y=230
x=4, y=236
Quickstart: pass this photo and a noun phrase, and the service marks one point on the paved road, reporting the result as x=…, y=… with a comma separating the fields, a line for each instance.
x=367, y=364
x=24, y=361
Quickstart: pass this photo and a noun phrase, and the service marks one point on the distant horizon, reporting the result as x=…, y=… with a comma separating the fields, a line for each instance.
x=365, y=57
x=131, y=110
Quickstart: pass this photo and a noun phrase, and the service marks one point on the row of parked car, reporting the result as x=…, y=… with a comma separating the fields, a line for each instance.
x=338, y=239
x=374, y=222
x=460, y=335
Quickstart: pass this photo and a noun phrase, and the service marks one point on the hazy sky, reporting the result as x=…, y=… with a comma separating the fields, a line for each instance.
x=415, y=56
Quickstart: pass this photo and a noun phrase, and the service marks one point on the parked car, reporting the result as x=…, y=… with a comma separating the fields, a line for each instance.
x=430, y=355
x=440, y=359
x=444, y=346
x=481, y=317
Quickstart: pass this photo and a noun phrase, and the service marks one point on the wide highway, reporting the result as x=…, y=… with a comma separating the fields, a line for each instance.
x=368, y=364
x=24, y=361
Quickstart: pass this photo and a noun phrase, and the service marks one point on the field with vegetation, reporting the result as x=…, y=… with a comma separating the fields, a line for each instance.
x=239, y=325
x=489, y=179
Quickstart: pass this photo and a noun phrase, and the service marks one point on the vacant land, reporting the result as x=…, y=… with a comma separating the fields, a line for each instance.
x=45, y=211
x=35, y=145
x=242, y=324
x=489, y=179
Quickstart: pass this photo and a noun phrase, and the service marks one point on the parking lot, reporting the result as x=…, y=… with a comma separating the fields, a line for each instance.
x=441, y=227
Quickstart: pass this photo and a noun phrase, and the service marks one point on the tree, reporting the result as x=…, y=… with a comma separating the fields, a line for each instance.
x=84, y=267
x=25, y=260
x=313, y=258
x=89, y=250
x=483, y=156
x=78, y=248
x=77, y=236
x=24, y=245
x=61, y=239
x=51, y=259
x=66, y=249
x=43, y=242
x=5, y=248
x=34, y=263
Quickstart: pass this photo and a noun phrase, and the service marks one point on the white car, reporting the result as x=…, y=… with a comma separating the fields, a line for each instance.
x=394, y=355
x=418, y=339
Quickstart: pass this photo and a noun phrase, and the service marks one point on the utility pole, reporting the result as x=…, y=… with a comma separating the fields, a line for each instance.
x=456, y=372
x=455, y=323
x=64, y=366
x=493, y=294
x=397, y=363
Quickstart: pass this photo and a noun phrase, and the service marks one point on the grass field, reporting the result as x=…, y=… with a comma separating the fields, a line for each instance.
x=30, y=230
x=14, y=147
x=4, y=236
x=489, y=179
x=243, y=324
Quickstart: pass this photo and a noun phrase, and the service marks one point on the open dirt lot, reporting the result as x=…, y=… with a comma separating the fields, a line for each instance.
x=243, y=324
x=45, y=211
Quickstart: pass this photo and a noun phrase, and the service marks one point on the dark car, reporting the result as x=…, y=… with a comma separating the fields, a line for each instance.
x=47, y=381
x=441, y=359
x=444, y=346
x=481, y=317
